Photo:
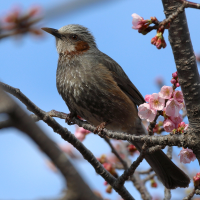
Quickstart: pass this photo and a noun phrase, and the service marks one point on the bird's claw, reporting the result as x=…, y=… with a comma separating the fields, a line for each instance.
x=99, y=129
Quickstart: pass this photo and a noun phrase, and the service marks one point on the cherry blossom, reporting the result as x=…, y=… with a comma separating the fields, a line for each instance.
x=145, y=112
x=166, y=92
x=156, y=102
x=173, y=107
x=176, y=120
x=80, y=133
x=136, y=21
x=178, y=96
x=147, y=97
x=168, y=125
x=186, y=156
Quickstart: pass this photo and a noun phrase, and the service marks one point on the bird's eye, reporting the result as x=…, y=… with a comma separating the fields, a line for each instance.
x=74, y=37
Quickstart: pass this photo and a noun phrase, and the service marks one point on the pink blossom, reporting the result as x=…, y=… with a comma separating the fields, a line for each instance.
x=173, y=107
x=147, y=97
x=136, y=21
x=178, y=96
x=145, y=112
x=156, y=102
x=177, y=84
x=176, y=120
x=186, y=156
x=166, y=92
x=168, y=125
x=80, y=133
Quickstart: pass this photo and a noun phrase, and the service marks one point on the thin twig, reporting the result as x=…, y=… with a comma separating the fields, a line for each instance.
x=146, y=171
x=149, y=177
x=116, y=153
x=189, y=197
x=127, y=173
x=190, y=4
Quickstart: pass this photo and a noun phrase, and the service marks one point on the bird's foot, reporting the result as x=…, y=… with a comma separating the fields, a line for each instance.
x=69, y=118
x=99, y=129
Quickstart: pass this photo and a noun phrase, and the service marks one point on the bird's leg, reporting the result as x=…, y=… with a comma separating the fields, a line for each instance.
x=69, y=118
x=99, y=129
x=62, y=115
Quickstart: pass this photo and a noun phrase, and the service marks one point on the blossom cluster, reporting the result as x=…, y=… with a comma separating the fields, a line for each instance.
x=17, y=22
x=143, y=27
x=168, y=101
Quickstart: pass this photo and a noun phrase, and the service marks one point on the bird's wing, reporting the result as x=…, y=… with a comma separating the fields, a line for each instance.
x=122, y=79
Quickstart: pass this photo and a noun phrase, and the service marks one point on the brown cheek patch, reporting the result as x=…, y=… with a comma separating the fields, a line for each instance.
x=82, y=46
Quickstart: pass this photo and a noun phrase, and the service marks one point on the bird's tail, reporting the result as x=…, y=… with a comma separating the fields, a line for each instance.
x=170, y=175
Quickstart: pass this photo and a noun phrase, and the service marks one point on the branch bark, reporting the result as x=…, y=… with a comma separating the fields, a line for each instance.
x=188, y=74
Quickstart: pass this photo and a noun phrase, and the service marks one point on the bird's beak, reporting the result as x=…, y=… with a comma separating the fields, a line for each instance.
x=53, y=31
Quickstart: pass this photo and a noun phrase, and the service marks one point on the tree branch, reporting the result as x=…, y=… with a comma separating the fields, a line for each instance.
x=188, y=74
x=68, y=136
x=22, y=121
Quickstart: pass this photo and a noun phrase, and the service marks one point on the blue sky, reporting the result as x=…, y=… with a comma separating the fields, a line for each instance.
x=30, y=64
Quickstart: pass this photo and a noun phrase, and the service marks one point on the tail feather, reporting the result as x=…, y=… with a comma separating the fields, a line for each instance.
x=170, y=175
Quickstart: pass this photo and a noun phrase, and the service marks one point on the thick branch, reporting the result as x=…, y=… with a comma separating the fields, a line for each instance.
x=188, y=74
x=22, y=121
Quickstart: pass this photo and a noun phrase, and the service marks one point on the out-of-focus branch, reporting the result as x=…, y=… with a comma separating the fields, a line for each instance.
x=6, y=123
x=189, y=197
x=149, y=177
x=68, y=7
x=116, y=153
x=24, y=123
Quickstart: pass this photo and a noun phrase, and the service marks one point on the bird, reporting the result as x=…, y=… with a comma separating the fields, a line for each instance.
x=96, y=88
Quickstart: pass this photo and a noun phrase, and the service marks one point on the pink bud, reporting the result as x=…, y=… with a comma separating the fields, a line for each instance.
x=34, y=10
x=174, y=75
x=136, y=21
x=173, y=81
x=177, y=84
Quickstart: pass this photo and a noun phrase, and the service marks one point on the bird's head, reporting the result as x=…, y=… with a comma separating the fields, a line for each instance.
x=72, y=39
